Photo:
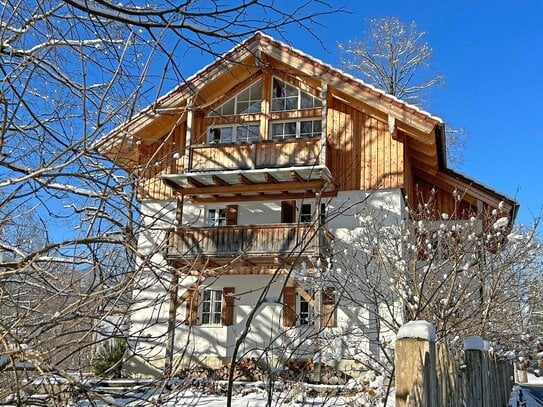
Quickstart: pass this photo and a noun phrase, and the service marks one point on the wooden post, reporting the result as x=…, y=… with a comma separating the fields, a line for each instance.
x=473, y=360
x=415, y=365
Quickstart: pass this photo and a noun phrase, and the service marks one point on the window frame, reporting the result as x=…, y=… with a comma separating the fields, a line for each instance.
x=214, y=316
x=304, y=311
x=297, y=135
x=234, y=136
x=299, y=93
x=219, y=113
x=217, y=217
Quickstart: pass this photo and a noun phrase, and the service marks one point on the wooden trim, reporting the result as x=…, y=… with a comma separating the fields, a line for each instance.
x=289, y=306
x=231, y=215
x=288, y=211
x=191, y=316
x=227, y=311
x=328, y=318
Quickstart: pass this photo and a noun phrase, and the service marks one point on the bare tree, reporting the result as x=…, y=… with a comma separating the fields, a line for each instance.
x=395, y=57
x=70, y=72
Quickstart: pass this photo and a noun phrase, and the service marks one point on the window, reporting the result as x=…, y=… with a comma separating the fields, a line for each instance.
x=237, y=133
x=288, y=97
x=211, y=307
x=246, y=101
x=306, y=213
x=296, y=129
x=216, y=217
x=304, y=311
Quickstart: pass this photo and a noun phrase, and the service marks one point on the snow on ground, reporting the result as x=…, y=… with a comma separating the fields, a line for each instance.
x=252, y=396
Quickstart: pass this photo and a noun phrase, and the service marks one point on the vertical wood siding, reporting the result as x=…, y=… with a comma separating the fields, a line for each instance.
x=362, y=155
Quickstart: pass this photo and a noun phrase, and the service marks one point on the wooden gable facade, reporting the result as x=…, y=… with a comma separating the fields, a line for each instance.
x=368, y=140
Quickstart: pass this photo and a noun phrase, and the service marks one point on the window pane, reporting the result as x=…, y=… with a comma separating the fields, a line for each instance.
x=244, y=95
x=277, y=88
x=306, y=127
x=307, y=101
x=254, y=107
x=277, y=129
x=228, y=108
x=226, y=134
x=291, y=90
x=256, y=91
x=290, y=128
x=317, y=126
x=243, y=107
x=254, y=133
x=291, y=103
x=278, y=105
x=210, y=222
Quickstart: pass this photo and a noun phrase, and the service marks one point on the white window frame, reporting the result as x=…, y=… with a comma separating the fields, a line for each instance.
x=317, y=102
x=216, y=217
x=218, y=112
x=308, y=313
x=214, y=314
x=235, y=136
x=298, y=134
x=304, y=216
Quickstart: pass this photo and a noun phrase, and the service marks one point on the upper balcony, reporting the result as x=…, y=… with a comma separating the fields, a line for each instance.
x=256, y=248
x=297, y=152
x=265, y=170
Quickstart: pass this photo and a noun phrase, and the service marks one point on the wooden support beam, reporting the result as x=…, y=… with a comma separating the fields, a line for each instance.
x=297, y=177
x=244, y=180
x=269, y=178
x=219, y=181
x=195, y=183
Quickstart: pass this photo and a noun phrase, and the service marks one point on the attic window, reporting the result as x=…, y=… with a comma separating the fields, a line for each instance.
x=245, y=102
x=288, y=97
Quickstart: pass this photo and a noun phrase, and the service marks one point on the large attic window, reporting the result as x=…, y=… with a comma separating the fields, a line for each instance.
x=288, y=97
x=246, y=101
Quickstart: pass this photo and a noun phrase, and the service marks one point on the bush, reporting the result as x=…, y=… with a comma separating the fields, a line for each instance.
x=108, y=361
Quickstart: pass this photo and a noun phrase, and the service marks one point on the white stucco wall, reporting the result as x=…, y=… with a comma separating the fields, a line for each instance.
x=355, y=323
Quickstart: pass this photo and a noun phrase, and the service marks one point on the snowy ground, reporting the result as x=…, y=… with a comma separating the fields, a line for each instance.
x=522, y=398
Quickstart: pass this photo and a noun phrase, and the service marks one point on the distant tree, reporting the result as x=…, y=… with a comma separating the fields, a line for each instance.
x=395, y=57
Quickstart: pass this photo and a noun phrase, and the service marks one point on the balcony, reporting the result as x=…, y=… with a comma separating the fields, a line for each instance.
x=266, y=154
x=255, y=246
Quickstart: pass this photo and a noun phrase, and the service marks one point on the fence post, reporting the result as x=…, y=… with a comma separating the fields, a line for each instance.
x=473, y=361
x=415, y=365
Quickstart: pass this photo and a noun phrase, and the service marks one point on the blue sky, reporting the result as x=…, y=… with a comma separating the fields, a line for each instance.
x=491, y=55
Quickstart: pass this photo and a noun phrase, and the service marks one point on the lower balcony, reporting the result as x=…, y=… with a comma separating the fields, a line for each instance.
x=243, y=249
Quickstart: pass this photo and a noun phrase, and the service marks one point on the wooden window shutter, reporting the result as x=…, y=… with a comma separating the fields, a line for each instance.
x=329, y=307
x=231, y=214
x=191, y=317
x=227, y=312
x=289, y=306
x=288, y=211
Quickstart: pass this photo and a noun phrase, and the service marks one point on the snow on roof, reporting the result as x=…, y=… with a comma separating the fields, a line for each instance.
x=314, y=60
x=417, y=330
x=349, y=76
x=474, y=343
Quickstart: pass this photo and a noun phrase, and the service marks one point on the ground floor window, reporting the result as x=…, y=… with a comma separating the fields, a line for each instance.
x=211, y=307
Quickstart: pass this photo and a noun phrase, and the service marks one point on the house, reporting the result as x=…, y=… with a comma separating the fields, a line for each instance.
x=251, y=175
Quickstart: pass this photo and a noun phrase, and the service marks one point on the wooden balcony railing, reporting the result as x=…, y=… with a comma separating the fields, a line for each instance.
x=265, y=154
x=292, y=240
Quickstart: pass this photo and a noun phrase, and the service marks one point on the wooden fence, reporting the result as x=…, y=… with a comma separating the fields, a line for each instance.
x=430, y=375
